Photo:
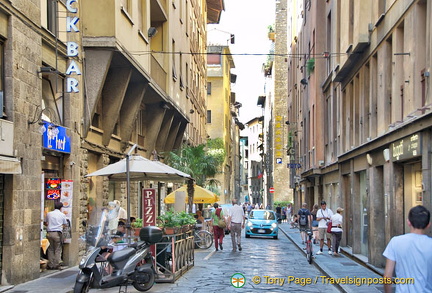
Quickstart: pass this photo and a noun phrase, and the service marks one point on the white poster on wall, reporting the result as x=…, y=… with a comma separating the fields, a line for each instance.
x=66, y=198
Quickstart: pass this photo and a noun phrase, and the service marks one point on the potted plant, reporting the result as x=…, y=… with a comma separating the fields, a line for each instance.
x=169, y=222
x=137, y=225
x=271, y=32
x=186, y=220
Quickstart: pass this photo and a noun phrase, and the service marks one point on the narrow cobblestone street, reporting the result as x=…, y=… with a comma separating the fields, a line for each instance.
x=266, y=264
x=268, y=259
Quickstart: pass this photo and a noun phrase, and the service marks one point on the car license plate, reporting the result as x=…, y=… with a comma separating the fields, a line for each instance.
x=261, y=231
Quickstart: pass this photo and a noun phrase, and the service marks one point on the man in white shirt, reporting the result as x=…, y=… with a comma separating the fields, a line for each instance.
x=323, y=216
x=236, y=222
x=122, y=214
x=55, y=222
x=410, y=255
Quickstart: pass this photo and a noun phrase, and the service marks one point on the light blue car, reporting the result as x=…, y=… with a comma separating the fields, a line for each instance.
x=262, y=223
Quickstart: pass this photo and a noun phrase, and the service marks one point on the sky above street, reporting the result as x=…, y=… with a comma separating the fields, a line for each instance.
x=248, y=21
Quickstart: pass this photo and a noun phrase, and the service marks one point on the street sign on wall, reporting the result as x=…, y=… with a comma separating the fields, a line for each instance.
x=272, y=190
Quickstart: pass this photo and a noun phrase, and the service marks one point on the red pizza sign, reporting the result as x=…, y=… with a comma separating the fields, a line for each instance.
x=149, y=207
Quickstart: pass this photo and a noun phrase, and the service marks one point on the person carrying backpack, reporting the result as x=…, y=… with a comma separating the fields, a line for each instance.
x=304, y=220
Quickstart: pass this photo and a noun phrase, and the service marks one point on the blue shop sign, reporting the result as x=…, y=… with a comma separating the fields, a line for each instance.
x=55, y=138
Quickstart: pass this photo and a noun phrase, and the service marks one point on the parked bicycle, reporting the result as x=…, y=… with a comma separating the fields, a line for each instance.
x=203, y=239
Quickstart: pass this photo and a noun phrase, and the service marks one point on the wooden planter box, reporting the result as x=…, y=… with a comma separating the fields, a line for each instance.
x=172, y=230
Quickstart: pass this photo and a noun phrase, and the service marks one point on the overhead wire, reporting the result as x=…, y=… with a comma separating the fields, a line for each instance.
x=324, y=55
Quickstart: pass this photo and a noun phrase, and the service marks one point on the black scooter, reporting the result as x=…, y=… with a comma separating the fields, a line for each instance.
x=132, y=265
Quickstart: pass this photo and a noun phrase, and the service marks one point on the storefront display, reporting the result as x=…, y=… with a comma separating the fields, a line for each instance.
x=66, y=198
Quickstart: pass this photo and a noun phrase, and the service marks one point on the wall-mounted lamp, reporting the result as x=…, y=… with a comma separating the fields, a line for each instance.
x=304, y=81
x=48, y=69
x=42, y=115
x=369, y=159
x=151, y=31
x=386, y=154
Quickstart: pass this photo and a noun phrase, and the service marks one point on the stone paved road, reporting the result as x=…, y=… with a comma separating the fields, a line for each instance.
x=260, y=257
x=213, y=270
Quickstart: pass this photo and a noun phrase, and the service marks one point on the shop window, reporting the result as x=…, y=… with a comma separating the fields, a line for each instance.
x=418, y=179
x=52, y=99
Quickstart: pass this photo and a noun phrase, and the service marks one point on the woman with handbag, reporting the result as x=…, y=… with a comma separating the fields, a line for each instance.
x=336, y=230
x=219, y=224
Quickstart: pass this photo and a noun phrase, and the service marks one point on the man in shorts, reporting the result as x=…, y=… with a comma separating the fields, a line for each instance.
x=323, y=216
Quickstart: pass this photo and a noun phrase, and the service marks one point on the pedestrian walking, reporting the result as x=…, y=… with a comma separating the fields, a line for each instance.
x=55, y=222
x=250, y=207
x=323, y=216
x=337, y=230
x=279, y=213
x=315, y=223
x=410, y=255
x=304, y=220
x=218, y=232
x=289, y=212
x=236, y=222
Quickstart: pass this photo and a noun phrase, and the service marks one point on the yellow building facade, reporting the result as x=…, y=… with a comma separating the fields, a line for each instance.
x=220, y=109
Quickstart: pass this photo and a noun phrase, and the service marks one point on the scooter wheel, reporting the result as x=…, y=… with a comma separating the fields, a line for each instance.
x=81, y=287
x=145, y=286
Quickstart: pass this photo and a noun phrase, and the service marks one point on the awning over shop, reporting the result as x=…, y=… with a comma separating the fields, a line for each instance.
x=10, y=165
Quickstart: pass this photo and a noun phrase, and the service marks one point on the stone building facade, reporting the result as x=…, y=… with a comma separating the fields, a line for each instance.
x=364, y=112
x=81, y=82
x=280, y=171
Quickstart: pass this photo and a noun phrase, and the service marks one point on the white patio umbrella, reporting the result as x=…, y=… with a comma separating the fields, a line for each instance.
x=137, y=168
x=140, y=168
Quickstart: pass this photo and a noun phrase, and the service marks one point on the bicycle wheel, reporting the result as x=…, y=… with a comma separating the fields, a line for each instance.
x=204, y=239
x=309, y=252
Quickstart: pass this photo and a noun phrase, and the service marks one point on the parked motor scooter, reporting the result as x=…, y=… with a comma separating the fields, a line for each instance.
x=132, y=265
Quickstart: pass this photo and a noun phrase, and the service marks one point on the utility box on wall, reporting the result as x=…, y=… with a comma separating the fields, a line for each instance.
x=6, y=138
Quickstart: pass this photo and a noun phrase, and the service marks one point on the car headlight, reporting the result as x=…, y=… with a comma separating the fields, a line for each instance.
x=274, y=225
x=249, y=223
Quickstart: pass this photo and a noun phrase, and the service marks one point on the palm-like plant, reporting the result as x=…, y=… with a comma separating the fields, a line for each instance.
x=200, y=162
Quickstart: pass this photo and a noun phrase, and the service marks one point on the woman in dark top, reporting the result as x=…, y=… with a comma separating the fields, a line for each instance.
x=315, y=223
